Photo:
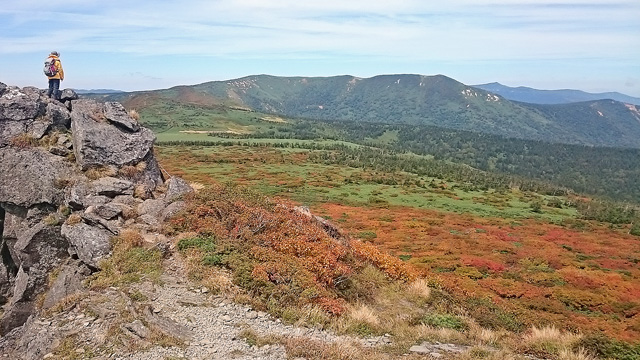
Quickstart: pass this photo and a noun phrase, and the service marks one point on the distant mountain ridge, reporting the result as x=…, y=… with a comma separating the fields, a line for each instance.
x=97, y=91
x=562, y=96
x=412, y=99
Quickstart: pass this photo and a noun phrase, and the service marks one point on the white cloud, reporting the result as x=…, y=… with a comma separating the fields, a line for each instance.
x=423, y=31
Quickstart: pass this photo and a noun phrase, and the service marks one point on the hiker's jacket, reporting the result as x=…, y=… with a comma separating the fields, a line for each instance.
x=58, y=65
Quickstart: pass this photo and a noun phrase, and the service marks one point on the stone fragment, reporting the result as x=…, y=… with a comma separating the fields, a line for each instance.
x=136, y=329
x=68, y=94
x=176, y=187
x=112, y=187
x=167, y=326
x=117, y=114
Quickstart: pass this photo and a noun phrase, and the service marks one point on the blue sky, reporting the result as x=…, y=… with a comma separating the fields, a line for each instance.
x=136, y=45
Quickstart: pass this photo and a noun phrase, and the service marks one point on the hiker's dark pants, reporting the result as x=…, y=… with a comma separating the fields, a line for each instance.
x=54, y=88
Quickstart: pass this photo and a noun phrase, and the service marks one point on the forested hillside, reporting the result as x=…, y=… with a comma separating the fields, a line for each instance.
x=608, y=172
x=412, y=99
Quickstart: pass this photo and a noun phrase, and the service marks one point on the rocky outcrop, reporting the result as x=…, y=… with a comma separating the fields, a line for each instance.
x=72, y=175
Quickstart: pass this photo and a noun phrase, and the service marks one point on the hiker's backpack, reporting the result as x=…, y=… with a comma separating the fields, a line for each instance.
x=50, y=67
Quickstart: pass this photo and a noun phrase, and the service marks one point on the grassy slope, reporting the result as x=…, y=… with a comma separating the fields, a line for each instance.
x=486, y=245
x=507, y=266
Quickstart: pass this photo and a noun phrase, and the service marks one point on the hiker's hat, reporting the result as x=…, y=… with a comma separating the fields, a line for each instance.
x=55, y=53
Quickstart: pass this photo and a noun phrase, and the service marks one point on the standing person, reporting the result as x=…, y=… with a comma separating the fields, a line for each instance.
x=55, y=74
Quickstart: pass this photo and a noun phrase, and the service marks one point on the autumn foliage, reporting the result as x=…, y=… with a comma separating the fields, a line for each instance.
x=276, y=252
x=584, y=276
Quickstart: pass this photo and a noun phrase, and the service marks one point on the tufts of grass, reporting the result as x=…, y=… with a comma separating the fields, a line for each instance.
x=68, y=350
x=23, y=141
x=129, y=263
x=54, y=219
x=74, y=219
x=133, y=113
x=62, y=183
x=141, y=192
x=97, y=172
x=420, y=288
x=548, y=341
x=254, y=339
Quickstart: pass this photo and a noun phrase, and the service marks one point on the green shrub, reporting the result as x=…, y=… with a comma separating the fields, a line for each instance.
x=213, y=260
x=442, y=320
x=606, y=348
x=367, y=235
x=405, y=257
x=491, y=316
x=204, y=244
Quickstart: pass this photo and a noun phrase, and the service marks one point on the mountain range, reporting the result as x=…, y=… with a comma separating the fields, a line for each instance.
x=411, y=99
x=563, y=96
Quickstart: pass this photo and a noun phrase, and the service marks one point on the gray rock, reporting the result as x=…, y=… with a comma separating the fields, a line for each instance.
x=3, y=88
x=172, y=210
x=29, y=177
x=41, y=247
x=117, y=114
x=68, y=94
x=151, y=207
x=29, y=342
x=136, y=329
x=167, y=326
x=419, y=349
x=112, y=187
x=90, y=243
x=38, y=128
x=177, y=187
x=11, y=129
x=68, y=282
x=15, y=316
x=59, y=150
x=59, y=115
x=78, y=194
x=96, y=142
x=89, y=217
x=21, y=104
x=108, y=211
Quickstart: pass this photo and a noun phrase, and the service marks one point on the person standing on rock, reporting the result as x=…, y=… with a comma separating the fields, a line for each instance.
x=55, y=74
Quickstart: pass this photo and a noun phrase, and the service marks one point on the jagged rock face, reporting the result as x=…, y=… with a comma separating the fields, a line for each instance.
x=46, y=154
x=103, y=137
x=32, y=177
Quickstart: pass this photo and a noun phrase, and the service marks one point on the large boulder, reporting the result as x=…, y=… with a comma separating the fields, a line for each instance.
x=89, y=243
x=30, y=177
x=21, y=104
x=96, y=142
